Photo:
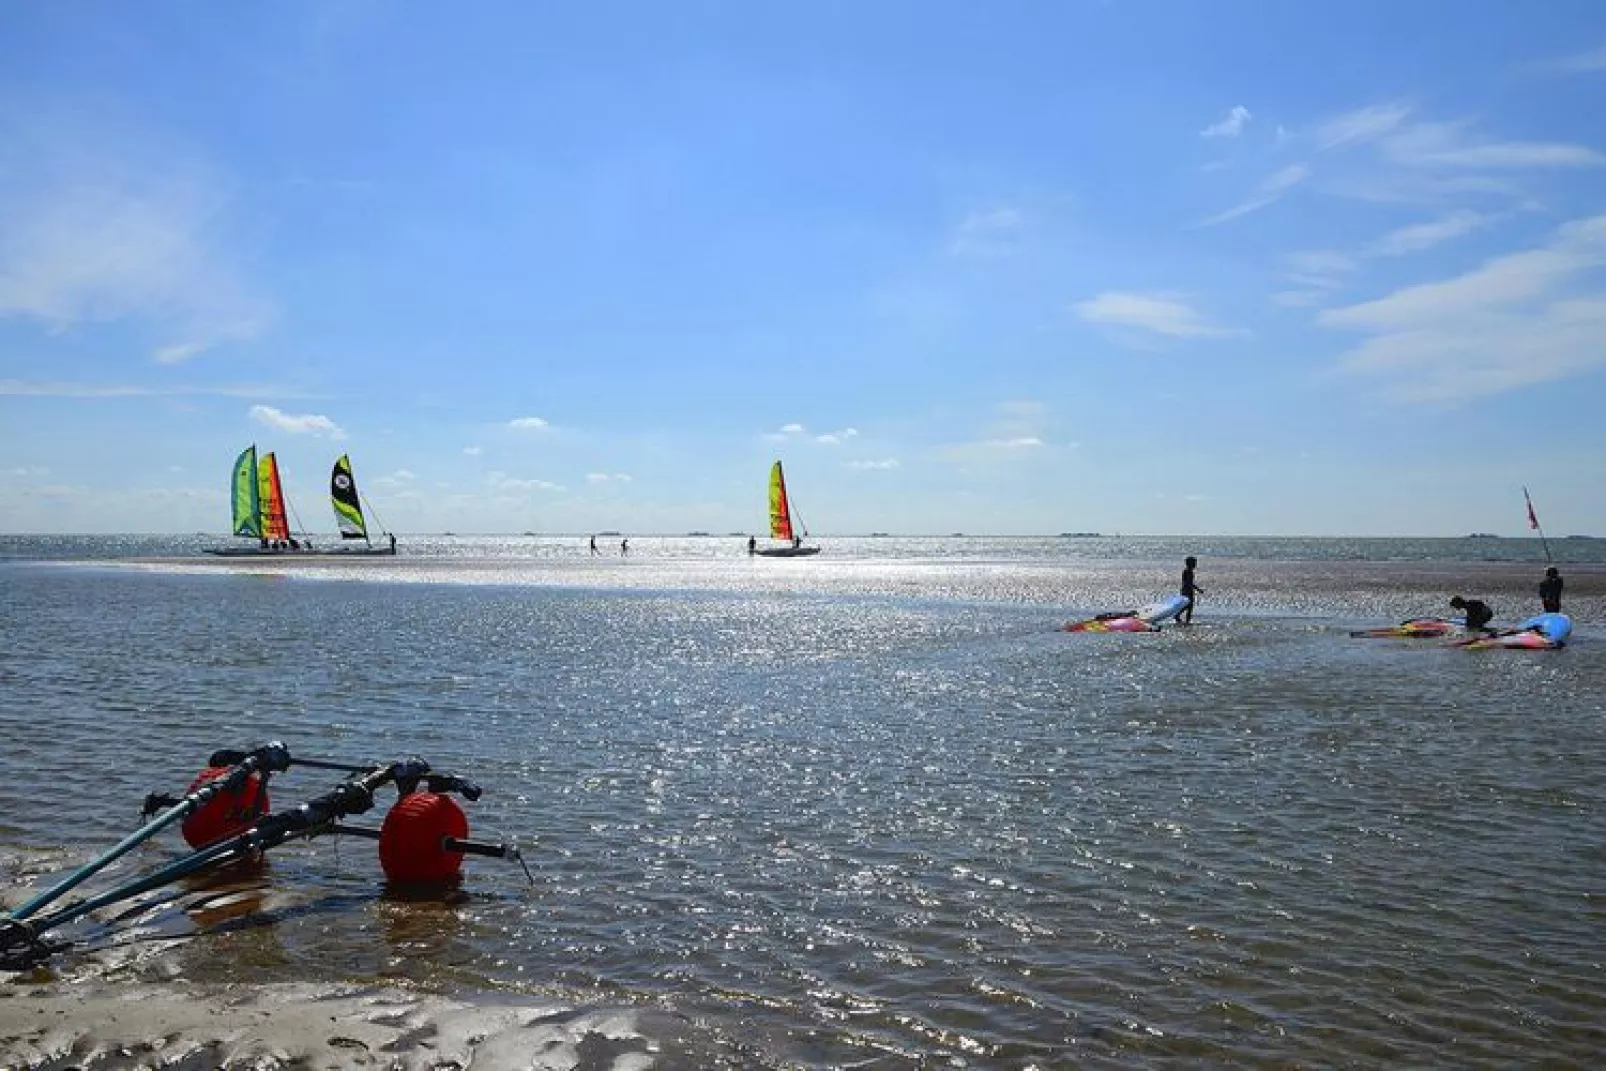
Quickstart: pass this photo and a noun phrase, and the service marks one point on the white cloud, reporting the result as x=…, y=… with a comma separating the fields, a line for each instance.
x=787, y=431
x=607, y=477
x=836, y=438
x=1420, y=236
x=1024, y=442
x=528, y=423
x=1360, y=126
x=1523, y=318
x=792, y=429
x=296, y=424
x=1271, y=189
x=889, y=463
x=1230, y=125
x=1161, y=314
x=505, y=484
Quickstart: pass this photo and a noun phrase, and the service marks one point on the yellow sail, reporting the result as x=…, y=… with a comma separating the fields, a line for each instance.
x=780, y=509
x=270, y=495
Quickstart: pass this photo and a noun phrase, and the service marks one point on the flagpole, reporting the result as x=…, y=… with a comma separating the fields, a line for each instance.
x=1533, y=522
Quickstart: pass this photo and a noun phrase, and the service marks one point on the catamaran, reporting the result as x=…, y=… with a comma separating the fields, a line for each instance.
x=261, y=512
x=782, y=529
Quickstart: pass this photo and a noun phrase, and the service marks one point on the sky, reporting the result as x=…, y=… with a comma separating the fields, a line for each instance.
x=1130, y=267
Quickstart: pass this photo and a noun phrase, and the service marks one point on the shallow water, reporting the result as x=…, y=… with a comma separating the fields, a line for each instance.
x=867, y=809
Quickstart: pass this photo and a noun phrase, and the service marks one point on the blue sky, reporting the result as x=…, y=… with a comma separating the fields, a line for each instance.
x=1166, y=268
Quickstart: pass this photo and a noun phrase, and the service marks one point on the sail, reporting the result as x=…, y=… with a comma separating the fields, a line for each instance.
x=247, y=520
x=271, y=496
x=343, y=496
x=780, y=508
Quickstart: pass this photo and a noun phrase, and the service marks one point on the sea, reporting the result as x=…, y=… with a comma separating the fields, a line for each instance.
x=869, y=809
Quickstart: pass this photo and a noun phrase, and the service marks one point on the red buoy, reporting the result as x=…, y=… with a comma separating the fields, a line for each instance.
x=226, y=813
x=411, y=847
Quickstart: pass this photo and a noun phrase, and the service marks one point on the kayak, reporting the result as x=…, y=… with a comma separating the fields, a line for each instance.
x=1542, y=632
x=1147, y=619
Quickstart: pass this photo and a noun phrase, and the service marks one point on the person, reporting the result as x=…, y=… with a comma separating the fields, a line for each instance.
x=1477, y=613
x=1189, y=590
x=392, y=542
x=1550, y=591
x=594, y=549
x=797, y=541
x=752, y=545
x=624, y=547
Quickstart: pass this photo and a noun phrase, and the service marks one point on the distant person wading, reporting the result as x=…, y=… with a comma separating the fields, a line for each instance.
x=1189, y=590
x=1550, y=591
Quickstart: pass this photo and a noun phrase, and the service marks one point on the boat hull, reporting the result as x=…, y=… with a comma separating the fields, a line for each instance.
x=1147, y=619
x=314, y=552
x=786, y=552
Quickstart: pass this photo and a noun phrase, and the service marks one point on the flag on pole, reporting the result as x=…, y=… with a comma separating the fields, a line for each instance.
x=1533, y=519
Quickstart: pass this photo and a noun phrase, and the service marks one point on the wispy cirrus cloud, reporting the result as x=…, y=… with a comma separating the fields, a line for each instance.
x=1154, y=313
x=1271, y=189
x=608, y=477
x=1229, y=125
x=108, y=224
x=1457, y=144
x=837, y=438
x=20, y=388
x=990, y=233
x=1589, y=62
x=528, y=423
x=1420, y=236
x=1360, y=126
x=1523, y=318
x=296, y=423
x=884, y=465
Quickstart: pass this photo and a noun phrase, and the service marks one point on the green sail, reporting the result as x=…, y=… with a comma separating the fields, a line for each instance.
x=247, y=515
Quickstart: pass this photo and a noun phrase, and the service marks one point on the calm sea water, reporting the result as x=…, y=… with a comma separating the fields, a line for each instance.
x=868, y=809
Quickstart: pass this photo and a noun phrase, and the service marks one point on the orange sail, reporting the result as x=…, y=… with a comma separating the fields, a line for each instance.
x=270, y=495
x=780, y=509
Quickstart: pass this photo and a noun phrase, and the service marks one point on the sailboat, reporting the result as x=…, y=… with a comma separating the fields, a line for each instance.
x=348, y=509
x=259, y=508
x=261, y=511
x=781, y=522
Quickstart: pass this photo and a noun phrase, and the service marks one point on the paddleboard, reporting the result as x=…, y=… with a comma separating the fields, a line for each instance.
x=1542, y=632
x=1415, y=628
x=1147, y=619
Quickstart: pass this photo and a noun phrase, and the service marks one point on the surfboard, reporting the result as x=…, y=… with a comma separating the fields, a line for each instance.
x=1416, y=628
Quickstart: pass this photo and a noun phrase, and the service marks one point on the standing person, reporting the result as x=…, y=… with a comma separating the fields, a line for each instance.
x=1478, y=613
x=1550, y=591
x=1189, y=590
x=624, y=547
x=594, y=549
x=752, y=546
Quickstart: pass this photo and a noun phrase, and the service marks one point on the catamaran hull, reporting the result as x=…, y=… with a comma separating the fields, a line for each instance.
x=786, y=552
x=316, y=552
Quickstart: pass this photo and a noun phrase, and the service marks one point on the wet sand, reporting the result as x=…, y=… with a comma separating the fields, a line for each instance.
x=99, y=1026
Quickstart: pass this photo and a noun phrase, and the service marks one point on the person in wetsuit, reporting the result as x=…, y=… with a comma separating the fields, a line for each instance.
x=1550, y=591
x=1478, y=613
x=1189, y=590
